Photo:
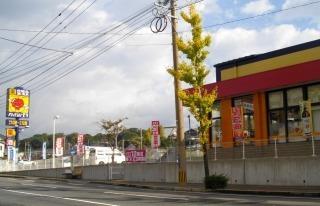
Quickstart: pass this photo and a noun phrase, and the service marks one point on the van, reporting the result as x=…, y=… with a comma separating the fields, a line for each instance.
x=103, y=155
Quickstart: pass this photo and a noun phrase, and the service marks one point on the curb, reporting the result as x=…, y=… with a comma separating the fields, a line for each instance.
x=269, y=193
x=226, y=191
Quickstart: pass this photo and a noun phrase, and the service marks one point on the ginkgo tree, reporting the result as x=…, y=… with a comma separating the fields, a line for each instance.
x=193, y=71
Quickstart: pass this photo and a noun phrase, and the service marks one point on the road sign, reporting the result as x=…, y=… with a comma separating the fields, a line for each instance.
x=10, y=132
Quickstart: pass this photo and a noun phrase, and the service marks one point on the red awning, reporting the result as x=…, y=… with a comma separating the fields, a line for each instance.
x=279, y=78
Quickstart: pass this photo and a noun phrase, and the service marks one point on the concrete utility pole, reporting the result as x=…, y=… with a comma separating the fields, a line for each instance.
x=178, y=102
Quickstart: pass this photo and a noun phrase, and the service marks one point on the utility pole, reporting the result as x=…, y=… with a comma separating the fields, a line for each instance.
x=178, y=102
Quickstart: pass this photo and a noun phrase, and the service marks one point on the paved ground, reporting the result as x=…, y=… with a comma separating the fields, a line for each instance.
x=36, y=192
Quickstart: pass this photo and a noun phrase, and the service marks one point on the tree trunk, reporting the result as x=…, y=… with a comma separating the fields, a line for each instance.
x=205, y=148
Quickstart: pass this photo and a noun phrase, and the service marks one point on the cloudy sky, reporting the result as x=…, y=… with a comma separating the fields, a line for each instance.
x=130, y=78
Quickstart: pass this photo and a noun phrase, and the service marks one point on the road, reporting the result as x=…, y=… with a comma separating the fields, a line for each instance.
x=37, y=192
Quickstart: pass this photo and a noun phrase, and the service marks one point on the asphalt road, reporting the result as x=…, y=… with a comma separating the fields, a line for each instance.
x=37, y=192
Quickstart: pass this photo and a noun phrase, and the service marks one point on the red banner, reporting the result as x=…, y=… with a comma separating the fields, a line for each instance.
x=59, y=146
x=237, y=122
x=155, y=134
x=80, y=140
x=135, y=155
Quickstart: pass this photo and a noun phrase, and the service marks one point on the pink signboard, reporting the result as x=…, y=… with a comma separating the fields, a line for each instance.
x=155, y=134
x=80, y=144
x=237, y=122
x=135, y=155
x=59, y=146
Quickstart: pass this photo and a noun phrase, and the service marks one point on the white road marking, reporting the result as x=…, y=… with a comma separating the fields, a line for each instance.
x=28, y=180
x=149, y=196
x=76, y=184
x=40, y=185
x=279, y=202
x=57, y=197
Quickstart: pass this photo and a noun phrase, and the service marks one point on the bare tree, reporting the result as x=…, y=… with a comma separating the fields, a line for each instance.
x=112, y=130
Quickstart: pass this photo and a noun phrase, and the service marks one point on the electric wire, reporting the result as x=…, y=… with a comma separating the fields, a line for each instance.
x=45, y=36
x=92, y=49
x=60, y=61
x=89, y=60
x=38, y=33
x=31, y=45
x=141, y=14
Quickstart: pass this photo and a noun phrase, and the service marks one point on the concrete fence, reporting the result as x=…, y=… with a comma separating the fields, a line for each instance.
x=300, y=171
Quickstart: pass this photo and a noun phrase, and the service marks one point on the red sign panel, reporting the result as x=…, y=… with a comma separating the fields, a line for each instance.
x=80, y=144
x=237, y=122
x=155, y=134
x=135, y=155
x=59, y=146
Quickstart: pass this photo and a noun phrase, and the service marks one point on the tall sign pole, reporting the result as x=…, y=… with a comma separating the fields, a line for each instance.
x=178, y=102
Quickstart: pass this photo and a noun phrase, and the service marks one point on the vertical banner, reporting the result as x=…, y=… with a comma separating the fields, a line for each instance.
x=2, y=148
x=59, y=147
x=10, y=152
x=44, y=150
x=155, y=143
x=306, y=117
x=80, y=144
x=237, y=122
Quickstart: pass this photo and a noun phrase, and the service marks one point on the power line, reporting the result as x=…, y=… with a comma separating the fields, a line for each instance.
x=89, y=60
x=30, y=45
x=99, y=43
x=37, y=68
x=60, y=23
x=260, y=15
x=30, y=40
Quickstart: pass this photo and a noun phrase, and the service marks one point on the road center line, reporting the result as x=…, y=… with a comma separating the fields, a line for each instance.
x=61, y=198
x=149, y=196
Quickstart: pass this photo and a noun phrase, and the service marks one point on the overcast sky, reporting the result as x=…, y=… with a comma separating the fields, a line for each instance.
x=130, y=79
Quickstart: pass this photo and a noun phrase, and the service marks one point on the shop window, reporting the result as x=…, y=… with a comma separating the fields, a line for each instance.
x=248, y=113
x=277, y=123
x=314, y=93
x=276, y=100
x=294, y=96
x=216, y=124
x=294, y=123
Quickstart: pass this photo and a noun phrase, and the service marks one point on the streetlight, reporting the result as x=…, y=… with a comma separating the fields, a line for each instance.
x=54, y=140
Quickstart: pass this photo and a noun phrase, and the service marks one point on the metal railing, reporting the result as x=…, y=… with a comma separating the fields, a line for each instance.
x=242, y=149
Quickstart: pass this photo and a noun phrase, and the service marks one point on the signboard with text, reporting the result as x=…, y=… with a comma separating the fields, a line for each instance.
x=10, y=132
x=18, y=100
x=237, y=122
x=155, y=143
x=80, y=144
x=15, y=123
x=135, y=155
x=59, y=146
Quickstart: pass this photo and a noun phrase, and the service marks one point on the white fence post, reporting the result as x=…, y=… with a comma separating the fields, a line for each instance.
x=275, y=148
x=243, y=149
x=313, y=148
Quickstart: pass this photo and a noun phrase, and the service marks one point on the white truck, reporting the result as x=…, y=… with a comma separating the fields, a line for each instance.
x=103, y=155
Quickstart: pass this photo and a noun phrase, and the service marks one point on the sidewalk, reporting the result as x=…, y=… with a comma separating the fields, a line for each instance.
x=309, y=191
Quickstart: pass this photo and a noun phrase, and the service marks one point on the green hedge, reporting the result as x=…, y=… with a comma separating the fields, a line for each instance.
x=216, y=181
